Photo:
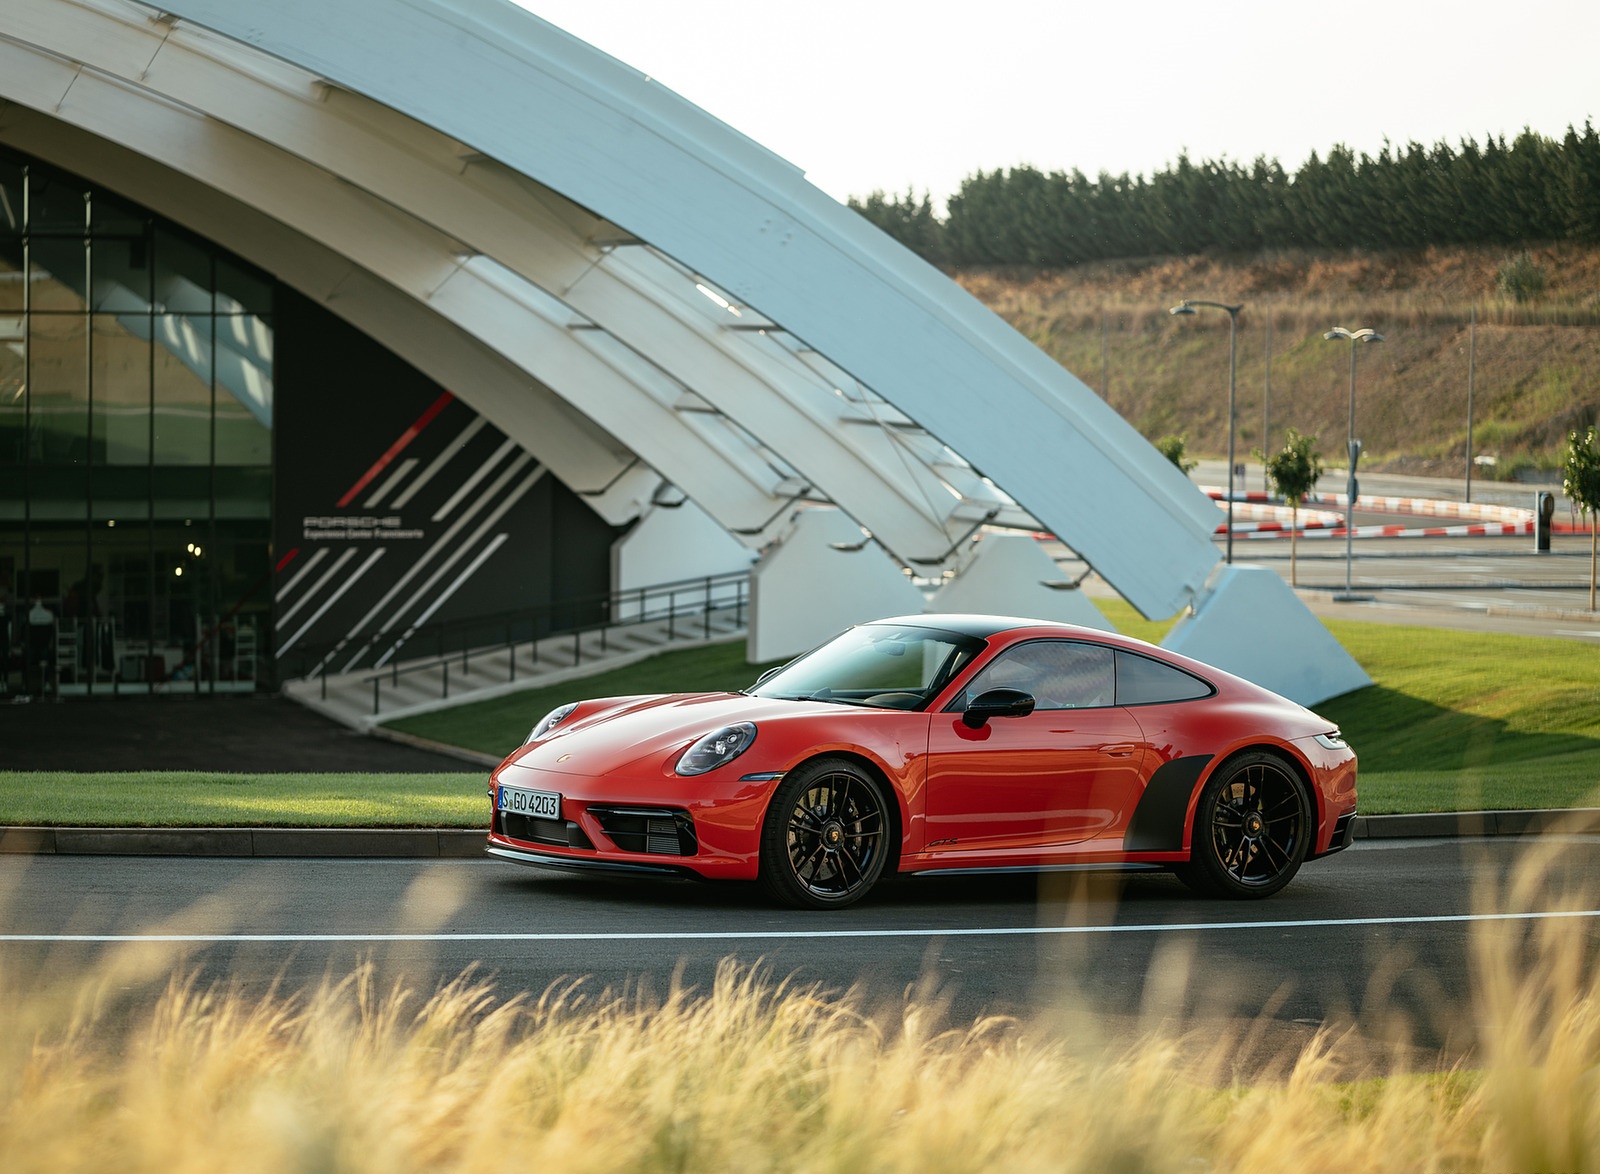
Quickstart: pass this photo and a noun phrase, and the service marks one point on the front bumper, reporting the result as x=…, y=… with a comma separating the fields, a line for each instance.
x=673, y=827
x=1344, y=831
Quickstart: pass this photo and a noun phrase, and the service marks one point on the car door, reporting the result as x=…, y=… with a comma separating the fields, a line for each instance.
x=1061, y=775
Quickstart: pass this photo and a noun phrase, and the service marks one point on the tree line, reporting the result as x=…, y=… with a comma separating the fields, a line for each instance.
x=1533, y=188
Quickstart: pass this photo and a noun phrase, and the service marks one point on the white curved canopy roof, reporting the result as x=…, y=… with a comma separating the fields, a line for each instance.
x=626, y=286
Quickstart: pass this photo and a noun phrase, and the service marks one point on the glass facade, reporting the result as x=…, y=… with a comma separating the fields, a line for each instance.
x=136, y=446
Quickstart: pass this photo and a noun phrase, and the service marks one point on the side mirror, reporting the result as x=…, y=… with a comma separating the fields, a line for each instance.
x=997, y=703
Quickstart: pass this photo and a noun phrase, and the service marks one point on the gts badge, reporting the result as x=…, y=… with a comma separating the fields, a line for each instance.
x=940, y=843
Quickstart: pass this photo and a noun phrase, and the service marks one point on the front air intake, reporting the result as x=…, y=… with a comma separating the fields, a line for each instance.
x=651, y=831
x=532, y=830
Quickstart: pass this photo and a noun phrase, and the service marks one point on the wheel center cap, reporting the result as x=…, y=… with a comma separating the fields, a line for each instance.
x=1253, y=823
x=832, y=834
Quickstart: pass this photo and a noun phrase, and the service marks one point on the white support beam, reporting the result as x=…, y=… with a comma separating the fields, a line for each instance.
x=377, y=240
x=611, y=141
x=633, y=295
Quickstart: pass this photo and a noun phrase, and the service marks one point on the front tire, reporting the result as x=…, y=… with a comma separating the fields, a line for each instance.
x=1252, y=829
x=826, y=835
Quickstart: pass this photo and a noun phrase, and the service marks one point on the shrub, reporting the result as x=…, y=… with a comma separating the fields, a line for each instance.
x=1521, y=278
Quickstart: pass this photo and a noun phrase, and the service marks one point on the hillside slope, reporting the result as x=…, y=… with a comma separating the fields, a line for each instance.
x=1537, y=368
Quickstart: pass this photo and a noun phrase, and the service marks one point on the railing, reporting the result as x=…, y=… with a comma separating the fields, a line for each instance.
x=683, y=604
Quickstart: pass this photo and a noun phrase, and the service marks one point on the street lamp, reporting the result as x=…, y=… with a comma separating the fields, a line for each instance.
x=1187, y=306
x=1353, y=447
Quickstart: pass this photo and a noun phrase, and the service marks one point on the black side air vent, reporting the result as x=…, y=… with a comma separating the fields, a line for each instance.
x=653, y=831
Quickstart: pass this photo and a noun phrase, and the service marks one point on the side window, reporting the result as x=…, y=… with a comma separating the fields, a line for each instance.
x=1144, y=681
x=1059, y=674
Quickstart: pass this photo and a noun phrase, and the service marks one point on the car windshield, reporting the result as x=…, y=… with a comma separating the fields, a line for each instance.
x=889, y=666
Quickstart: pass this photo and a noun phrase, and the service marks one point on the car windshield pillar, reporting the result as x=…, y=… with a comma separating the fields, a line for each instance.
x=890, y=666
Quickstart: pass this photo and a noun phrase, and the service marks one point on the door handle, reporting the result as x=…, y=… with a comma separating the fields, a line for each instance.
x=1121, y=750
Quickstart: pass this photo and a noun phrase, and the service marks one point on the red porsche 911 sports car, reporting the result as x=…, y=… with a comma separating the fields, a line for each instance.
x=932, y=744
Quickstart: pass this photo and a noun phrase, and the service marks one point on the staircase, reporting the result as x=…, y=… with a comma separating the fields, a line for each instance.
x=367, y=697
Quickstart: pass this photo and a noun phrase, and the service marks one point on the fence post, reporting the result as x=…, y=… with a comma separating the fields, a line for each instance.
x=577, y=648
x=445, y=665
x=376, y=681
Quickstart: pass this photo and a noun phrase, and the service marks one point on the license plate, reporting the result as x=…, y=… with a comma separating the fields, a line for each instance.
x=540, y=804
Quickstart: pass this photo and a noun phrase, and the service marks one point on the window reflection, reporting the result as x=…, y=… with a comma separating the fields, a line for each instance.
x=182, y=405
x=12, y=288
x=135, y=446
x=58, y=389
x=58, y=274
x=120, y=372
x=13, y=389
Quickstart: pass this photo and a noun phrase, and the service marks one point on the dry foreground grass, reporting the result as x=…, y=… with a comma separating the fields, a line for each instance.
x=752, y=1074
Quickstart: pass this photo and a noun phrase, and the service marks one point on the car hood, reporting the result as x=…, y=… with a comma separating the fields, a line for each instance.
x=648, y=734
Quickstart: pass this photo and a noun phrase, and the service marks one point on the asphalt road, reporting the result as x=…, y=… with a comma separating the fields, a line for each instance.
x=1378, y=932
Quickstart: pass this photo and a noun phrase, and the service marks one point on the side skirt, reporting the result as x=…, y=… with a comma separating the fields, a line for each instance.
x=1006, y=870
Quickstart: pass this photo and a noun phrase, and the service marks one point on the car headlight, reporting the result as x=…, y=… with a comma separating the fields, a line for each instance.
x=550, y=721
x=1332, y=740
x=717, y=749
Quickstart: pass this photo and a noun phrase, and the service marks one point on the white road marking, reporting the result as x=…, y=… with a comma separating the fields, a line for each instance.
x=1595, y=634
x=808, y=934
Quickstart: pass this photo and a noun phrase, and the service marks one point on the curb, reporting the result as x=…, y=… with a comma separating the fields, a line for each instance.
x=1570, y=820
x=468, y=843
x=358, y=843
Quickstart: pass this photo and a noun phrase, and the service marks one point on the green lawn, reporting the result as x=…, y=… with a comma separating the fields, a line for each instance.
x=1460, y=721
x=498, y=726
x=202, y=799
x=1456, y=722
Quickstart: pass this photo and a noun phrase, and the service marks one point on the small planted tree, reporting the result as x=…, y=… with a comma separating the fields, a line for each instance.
x=1176, y=450
x=1581, y=482
x=1294, y=472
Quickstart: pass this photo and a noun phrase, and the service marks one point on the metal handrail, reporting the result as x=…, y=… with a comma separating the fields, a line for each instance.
x=637, y=606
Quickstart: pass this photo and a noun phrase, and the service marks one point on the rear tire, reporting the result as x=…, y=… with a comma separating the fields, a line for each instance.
x=826, y=835
x=1252, y=829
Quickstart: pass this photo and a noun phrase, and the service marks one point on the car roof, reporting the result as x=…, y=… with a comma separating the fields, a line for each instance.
x=976, y=625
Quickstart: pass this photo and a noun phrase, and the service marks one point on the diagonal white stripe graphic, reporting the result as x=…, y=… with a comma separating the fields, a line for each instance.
x=311, y=592
x=305, y=570
x=332, y=599
x=488, y=523
x=451, y=450
x=811, y=934
x=471, y=482
x=500, y=482
x=390, y=482
x=455, y=584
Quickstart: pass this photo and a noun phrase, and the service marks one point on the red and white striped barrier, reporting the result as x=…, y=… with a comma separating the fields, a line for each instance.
x=1475, y=530
x=1426, y=507
x=1488, y=520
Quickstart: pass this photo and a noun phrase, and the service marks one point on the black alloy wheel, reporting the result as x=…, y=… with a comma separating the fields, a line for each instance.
x=825, y=839
x=1252, y=828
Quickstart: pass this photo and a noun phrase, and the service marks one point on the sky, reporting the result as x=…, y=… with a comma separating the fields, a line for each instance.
x=889, y=95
